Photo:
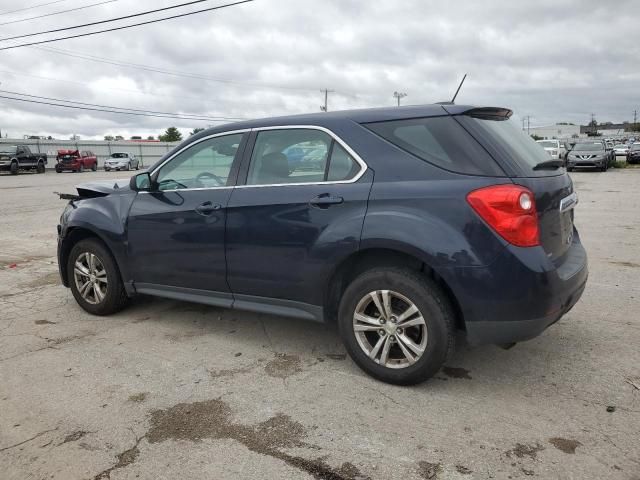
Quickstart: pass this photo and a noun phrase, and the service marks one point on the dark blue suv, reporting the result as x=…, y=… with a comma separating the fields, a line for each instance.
x=402, y=225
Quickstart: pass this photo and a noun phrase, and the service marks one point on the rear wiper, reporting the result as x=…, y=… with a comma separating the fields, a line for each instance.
x=549, y=165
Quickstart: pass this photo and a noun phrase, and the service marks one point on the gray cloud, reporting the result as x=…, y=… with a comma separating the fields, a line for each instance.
x=554, y=61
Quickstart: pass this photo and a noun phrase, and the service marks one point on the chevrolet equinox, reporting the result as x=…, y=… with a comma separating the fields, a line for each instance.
x=401, y=225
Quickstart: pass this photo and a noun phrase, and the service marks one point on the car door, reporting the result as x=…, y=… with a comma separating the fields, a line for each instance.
x=25, y=159
x=290, y=221
x=176, y=232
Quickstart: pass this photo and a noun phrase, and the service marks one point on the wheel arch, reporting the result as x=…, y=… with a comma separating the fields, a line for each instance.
x=75, y=235
x=367, y=259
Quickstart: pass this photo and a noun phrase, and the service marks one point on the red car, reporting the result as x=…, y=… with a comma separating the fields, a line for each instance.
x=76, y=161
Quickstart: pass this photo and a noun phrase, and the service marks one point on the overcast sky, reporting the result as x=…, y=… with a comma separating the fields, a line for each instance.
x=553, y=60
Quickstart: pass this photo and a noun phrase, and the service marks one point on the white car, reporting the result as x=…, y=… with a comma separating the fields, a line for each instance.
x=554, y=148
x=621, y=149
x=121, y=161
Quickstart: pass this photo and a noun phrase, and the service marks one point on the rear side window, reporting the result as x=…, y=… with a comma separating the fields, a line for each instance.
x=440, y=141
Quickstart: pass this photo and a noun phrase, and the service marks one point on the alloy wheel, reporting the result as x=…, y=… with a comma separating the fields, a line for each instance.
x=90, y=277
x=390, y=329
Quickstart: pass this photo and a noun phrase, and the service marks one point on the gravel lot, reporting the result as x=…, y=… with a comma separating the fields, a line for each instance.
x=175, y=390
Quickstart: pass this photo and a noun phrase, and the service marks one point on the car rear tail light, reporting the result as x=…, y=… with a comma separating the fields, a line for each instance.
x=510, y=210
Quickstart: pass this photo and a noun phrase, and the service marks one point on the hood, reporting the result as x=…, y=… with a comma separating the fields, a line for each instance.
x=102, y=188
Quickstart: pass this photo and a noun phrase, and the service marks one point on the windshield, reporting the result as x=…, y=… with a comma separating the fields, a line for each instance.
x=548, y=144
x=588, y=147
x=635, y=146
x=620, y=146
x=119, y=155
x=8, y=149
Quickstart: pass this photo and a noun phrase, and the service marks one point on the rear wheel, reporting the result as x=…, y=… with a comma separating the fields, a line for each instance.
x=94, y=167
x=94, y=278
x=397, y=325
x=40, y=167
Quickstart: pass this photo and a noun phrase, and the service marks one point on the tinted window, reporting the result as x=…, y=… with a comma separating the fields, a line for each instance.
x=289, y=156
x=342, y=166
x=508, y=139
x=206, y=164
x=441, y=141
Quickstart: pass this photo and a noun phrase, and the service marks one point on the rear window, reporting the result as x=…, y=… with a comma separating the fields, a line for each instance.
x=506, y=139
x=440, y=141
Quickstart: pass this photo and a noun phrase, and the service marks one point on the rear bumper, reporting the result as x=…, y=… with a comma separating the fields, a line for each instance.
x=520, y=294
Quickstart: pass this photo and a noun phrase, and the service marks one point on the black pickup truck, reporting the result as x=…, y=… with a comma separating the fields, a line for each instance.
x=14, y=158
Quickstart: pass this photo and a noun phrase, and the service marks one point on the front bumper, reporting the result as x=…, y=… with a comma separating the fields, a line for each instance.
x=592, y=163
x=61, y=167
x=520, y=294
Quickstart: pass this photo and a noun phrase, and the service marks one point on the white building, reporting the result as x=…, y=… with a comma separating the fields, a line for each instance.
x=556, y=131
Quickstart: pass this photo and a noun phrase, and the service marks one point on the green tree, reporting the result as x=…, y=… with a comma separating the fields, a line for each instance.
x=151, y=137
x=108, y=138
x=172, y=134
x=196, y=130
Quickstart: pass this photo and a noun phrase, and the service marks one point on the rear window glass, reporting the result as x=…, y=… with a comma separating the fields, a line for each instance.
x=507, y=139
x=440, y=141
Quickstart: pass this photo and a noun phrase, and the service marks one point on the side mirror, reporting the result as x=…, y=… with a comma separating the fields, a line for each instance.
x=141, y=182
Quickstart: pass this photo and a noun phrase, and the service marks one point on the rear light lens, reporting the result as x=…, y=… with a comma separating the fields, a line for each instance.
x=510, y=210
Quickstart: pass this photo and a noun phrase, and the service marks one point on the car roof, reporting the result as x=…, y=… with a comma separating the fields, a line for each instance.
x=366, y=115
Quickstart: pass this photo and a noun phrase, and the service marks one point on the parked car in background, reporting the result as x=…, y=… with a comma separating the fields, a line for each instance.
x=466, y=225
x=621, y=149
x=14, y=158
x=121, y=161
x=633, y=156
x=555, y=148
x=592, y=154
x=76, y=161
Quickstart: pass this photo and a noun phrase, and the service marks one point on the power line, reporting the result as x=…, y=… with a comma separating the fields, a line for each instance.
x=201, y=117
x=74, y=82
x=148, y=12
x=178, y=117
x=58, y=13
x=150, y=68
x=129, y=26
x=33, y=6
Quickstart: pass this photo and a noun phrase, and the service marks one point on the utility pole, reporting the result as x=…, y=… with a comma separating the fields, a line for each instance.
x=398, y=96
x=635, y=119
x=324, y=108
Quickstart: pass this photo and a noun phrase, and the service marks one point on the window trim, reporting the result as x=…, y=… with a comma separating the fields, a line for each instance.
x=247, y=153
x=335, y=138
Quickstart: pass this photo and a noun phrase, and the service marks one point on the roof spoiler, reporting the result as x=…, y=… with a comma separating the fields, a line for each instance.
x=490, y=113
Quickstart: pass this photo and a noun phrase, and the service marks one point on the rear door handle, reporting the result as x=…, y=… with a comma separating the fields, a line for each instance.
x=207, y=208
x=324, y=200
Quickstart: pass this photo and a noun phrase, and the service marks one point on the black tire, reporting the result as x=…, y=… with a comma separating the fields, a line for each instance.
x=115, y=297
x=40, y=167
x=94, y=167
x=432, y=304
x=14, y=168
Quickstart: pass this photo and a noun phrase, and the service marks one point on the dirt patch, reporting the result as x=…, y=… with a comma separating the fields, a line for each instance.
x=456, y=372
x=429, y=470
x=463, y=470
x=564, y=444
x=625, y=264
x=283, y=366
x=52, y=278
x=522, y=450
x=44, y=322
x=213, y=419
x=336, y=356
x=138, y=397
x=75, y=436
x=125, y=458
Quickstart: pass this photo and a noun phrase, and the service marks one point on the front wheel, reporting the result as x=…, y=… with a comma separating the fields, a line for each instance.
x=14, y=168
x=397, y=325
x=94, y=278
